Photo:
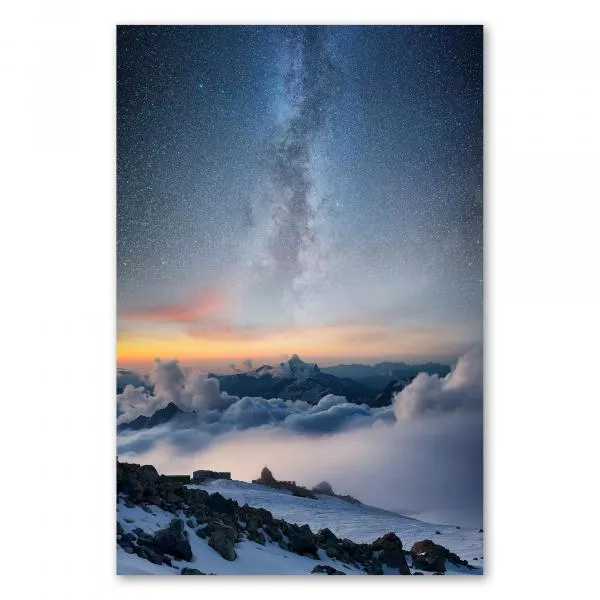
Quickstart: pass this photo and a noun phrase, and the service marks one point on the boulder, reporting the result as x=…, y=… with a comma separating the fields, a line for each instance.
x=148, y=474
x=273, y=532
x=149, y=554
x=264, y=515
x=325, y=537
x=177, y=526
x=218, y=504
x=257, y=536
x=324, y=487
x=174, y=541
x=266, y=477
x=143, y=538
x=326, y=570
x=391, y=553
x=222, y=542
x=428, y=556
x=188, y=571
x=302, y=540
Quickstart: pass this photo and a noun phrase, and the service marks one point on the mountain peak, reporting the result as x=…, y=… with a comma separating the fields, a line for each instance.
x=296, y=367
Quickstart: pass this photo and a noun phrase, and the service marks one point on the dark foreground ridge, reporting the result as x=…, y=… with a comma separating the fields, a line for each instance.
x=224, y=523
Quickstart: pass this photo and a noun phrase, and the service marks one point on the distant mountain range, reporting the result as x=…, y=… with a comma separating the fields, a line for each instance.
x=380, y=375
x=294, y=380
x=298, y=380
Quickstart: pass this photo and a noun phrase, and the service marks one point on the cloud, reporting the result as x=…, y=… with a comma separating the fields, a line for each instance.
x=204, y=304
x=217, y=412
x=168, y=379
x=247, y=363
x=127, y=377
x=460, y=390
x=425, y=452
x=136, y=401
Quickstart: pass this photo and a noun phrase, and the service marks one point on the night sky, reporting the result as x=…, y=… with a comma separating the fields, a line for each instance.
x=299, y=189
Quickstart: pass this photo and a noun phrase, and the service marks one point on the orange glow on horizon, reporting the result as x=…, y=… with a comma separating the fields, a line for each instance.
x=229, y=344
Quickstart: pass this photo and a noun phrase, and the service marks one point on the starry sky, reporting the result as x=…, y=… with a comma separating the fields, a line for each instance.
x=310, y=190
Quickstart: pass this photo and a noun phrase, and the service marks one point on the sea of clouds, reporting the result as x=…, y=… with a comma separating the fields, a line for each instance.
x=422, y=453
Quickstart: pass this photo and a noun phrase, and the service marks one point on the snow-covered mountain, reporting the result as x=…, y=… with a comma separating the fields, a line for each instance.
x=230, y=527
x=294, y=367
x=293, y=380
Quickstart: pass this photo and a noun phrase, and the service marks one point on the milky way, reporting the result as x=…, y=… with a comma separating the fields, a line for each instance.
x=318, y=174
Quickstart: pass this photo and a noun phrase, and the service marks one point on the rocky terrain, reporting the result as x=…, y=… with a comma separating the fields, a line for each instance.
x=165, y=526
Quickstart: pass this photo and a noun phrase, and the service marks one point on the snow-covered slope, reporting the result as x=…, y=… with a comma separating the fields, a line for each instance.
x=357, y=522
x=252, y=559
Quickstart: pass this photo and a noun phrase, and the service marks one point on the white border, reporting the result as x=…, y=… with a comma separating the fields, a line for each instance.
x=58, y=246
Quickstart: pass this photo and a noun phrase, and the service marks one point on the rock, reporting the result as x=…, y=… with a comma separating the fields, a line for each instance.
x=373, y=567
x=481, y=531
x=302, y=541
x=428, y=556
x=391, y=553
x=177, y=526
x=273, y=532
x=149, y=554
x=303, y=493
x=325, y=536
x=172, y=498
x=326, y=570
x=201, y=513
x=257, y=536
x=175, y=544
x=149, y=474
x=120, y=529
x=417, y=573
x=266, y=477
x=253, y=524
x=127, y=538
x=438, y=533
x=264, y=515
x=143, y=538
x=218, y=504
x=188, y=571
x=222, y=542
x=128, y=520
x=324, y=487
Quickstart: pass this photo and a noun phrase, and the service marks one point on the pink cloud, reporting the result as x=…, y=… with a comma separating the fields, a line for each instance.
x=204, y=304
